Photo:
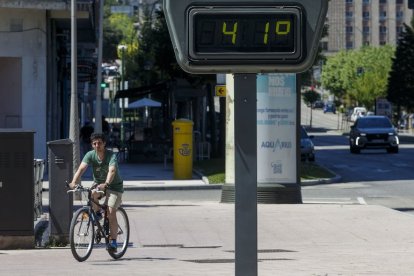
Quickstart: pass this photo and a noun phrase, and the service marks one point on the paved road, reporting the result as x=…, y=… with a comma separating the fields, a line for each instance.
x=372, y=177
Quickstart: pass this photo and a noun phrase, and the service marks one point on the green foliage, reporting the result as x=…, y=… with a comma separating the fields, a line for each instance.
x=359, y=75
x=155, y=57
x=310, y=97
x=124, y=25
x=117, y=29
x=311, y=171
x=332, y=72
x=214, y=170
x=401, y=79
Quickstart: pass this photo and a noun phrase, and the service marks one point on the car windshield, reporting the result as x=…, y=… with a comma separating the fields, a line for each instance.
x=374, y=123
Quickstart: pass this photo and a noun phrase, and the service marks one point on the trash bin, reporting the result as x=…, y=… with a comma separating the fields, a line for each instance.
x=183, y=148
x=60, y=202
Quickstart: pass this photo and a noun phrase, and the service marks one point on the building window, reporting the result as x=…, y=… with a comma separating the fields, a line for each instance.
x=349, y=29
x=400, y=29
x=365, y=14
x=365, y=30
x=349, y=45
x=383, y=14
x=383, y=29
x=400, y=1
x=399, y=14
x=383, y=1
x=366, y=1
x=349, y=14
x=349, y=1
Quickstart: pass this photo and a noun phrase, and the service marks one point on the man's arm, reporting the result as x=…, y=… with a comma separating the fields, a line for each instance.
x=109, y=177
x=81, y=170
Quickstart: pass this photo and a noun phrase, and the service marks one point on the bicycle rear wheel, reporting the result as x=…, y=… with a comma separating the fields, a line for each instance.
x=123, y=234
x=81, y=234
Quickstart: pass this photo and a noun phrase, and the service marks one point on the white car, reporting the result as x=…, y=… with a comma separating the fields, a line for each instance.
x=358, y=112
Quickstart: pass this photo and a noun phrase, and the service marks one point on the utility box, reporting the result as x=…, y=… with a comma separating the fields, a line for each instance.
x=60, y=202
x=183, y=149
x=16, y=189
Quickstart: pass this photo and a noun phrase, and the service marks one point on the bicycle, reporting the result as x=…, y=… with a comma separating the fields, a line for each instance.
x=86, y=229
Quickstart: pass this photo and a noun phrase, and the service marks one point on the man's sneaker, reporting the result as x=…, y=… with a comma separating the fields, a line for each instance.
x=113, y=246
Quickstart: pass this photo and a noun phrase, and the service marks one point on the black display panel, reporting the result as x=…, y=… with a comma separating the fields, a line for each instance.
x=245, y=33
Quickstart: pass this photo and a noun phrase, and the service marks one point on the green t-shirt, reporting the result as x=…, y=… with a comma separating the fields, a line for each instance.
x=100, y=169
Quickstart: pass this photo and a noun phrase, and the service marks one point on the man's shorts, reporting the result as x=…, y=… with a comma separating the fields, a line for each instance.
x=113, y=199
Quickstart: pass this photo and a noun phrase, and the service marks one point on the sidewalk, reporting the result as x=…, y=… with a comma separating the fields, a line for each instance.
x=193, y=238
x=198, y=238
x=152, y=176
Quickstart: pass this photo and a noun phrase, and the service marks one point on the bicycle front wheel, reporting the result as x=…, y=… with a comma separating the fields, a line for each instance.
x=81, y=234
x=123, y=234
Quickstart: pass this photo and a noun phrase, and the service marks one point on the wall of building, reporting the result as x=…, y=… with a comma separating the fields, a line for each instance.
x=23, y=38
x=354, y=23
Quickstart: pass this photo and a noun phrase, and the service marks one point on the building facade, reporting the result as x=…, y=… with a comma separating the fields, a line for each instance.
x=355, y=23
x=35, y=65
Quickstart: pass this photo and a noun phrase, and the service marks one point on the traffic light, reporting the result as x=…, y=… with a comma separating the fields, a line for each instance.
x=104, y=84
x=245, y=36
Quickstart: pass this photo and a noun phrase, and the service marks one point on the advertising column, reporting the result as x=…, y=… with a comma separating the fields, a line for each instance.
x=277, y=120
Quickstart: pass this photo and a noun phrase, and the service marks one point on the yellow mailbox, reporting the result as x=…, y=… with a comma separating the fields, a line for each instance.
x=183, y=149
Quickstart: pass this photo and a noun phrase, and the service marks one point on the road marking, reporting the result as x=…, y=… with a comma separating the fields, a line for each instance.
x=361, y=201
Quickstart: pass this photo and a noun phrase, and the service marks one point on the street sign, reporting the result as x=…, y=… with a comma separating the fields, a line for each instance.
x=240, y=36
x=220, y=90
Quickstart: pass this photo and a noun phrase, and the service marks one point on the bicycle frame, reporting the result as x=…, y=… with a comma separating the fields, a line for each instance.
x=95, y=220
x=83, y=233
x=94, y=216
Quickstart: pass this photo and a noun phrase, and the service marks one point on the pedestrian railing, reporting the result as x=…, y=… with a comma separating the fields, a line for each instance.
x=39, y=168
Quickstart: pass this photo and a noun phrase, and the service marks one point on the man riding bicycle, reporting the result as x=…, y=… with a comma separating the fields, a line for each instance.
x=106, y=178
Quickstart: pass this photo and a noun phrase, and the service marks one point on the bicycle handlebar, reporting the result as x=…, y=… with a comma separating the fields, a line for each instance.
x=80, y=188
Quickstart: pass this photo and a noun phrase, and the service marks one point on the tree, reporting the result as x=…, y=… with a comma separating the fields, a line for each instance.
x=310, y=97
x=400, y=89
x=155, y=57
x=112, y=34
x=156, y=62
x=373, y=65
x=332, y=74
x=359, y=76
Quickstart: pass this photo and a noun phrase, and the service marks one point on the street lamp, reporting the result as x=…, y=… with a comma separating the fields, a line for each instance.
x=122, y=48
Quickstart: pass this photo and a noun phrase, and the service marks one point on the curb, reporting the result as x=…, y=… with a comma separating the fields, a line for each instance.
x=172, y=187
x=334, y=179
x=321, y=181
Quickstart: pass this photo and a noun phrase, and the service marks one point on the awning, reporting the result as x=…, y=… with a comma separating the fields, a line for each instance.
x=143, y=103
x=142, y=91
